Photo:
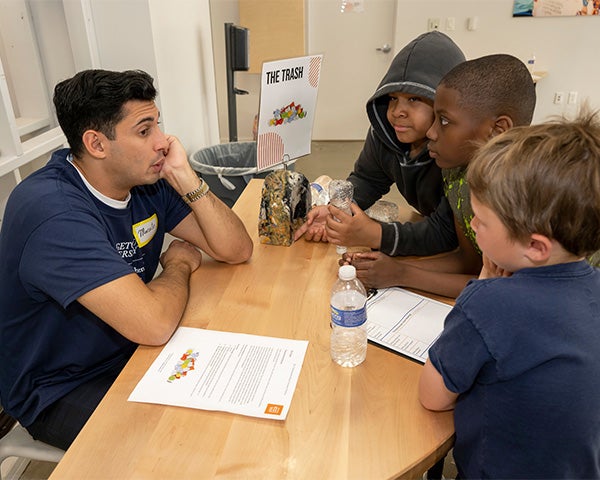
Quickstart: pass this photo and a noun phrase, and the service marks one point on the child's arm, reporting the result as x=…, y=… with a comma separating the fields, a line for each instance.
x=432, y=235
x=443, y=275
x=464, y=260
x=433, y=393
x=377, y=270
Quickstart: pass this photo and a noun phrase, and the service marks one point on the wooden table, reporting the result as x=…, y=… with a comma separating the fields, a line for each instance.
x=360, y=423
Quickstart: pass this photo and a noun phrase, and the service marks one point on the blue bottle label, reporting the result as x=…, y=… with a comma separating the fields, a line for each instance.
x=348, y=318
x=317, y=187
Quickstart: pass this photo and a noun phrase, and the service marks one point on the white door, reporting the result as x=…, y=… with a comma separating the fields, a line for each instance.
x=355, y=52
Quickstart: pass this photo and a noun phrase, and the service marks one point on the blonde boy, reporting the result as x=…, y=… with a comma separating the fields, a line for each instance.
x=518, y=360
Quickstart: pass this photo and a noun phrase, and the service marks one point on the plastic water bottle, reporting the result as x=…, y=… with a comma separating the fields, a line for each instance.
x=341, y=193
x=319, y=190
x=348, y=319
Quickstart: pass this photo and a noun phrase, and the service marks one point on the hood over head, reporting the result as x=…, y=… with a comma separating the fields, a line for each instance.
x=416, y=69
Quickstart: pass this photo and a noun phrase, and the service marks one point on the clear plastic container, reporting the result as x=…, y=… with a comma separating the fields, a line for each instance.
x=341, y=193
x=348, y=344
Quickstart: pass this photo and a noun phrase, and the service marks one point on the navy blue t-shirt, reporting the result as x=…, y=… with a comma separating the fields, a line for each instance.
x=58, y=241
x=523, y=353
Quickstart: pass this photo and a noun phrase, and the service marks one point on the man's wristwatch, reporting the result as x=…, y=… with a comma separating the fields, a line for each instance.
x=196, y=194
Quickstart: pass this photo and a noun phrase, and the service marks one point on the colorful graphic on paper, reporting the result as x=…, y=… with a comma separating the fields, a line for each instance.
x=186, y=364
x=553, y=8
x=288, y=98
x=287, y=114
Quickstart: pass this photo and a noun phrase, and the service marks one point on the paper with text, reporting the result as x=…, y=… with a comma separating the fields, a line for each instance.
x=232, y=372
x=405, y=322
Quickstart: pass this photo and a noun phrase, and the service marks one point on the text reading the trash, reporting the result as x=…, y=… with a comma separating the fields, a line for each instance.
x=284, y=75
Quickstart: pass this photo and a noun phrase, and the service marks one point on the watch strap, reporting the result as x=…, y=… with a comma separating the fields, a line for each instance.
x=197, y=194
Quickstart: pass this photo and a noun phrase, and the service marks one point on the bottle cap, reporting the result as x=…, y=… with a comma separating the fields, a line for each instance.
x=347, y=272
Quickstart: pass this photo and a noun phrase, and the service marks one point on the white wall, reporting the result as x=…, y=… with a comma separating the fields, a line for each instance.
x=172, y=42
x=53, y=42
x=183, y=49
x=221, y=12
x=51, y=36
x=564, y=46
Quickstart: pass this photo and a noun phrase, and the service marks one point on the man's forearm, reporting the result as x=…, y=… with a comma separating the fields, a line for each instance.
x=216, y=229
x=224, y=232
x=146, y=314
x=171, y=290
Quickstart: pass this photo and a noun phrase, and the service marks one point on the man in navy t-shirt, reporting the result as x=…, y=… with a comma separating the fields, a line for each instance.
x=81, y=241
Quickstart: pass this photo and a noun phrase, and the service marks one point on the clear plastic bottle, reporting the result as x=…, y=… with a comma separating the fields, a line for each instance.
x=348, y=319
x=319, y=190
x=341, y=193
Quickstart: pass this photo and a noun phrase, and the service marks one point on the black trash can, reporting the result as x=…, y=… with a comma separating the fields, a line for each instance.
x=227, y=168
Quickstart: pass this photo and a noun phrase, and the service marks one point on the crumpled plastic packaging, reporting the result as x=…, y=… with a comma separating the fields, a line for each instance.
x=383, y=211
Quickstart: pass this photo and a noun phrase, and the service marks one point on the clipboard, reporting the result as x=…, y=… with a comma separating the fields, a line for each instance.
x=405, y=322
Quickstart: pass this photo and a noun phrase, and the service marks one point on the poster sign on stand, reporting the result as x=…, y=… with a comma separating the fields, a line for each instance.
x=288, y=99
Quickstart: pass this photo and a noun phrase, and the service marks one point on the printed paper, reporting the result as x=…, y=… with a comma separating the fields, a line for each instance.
x=233, y=372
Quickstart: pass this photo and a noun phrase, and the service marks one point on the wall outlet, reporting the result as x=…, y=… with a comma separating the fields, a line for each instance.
x=433, y=24
x=559, y=98
x=572, y=98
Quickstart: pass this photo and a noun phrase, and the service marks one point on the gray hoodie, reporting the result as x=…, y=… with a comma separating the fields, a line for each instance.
x=384, y=160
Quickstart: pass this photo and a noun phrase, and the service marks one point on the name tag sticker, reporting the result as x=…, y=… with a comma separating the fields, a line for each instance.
x=145, y=230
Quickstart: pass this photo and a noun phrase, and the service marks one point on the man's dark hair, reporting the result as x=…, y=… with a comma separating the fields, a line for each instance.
x=494, y=85
x=94, y=99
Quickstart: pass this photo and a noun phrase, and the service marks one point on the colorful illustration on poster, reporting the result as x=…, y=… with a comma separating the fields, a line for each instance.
x=552, y=8
x=287, y=114
x=185, y=364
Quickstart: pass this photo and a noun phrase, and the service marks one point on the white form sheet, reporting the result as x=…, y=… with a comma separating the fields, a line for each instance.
x=232, y=372
x=405, y=322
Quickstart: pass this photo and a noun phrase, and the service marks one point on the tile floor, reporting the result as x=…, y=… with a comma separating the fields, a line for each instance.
x=333, y=158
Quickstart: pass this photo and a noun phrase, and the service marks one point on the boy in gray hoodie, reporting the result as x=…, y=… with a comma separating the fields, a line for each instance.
x=395, y=151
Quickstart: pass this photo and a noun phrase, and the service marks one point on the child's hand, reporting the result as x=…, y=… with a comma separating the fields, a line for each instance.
x=491, y=270
x=346, y=259
x=314, y=227
x=376, y=269
x=357, y=229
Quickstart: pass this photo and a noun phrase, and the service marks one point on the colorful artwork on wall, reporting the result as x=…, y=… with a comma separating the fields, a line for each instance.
x=554, y=8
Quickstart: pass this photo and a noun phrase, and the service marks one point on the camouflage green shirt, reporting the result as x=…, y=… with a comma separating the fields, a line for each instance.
x=594, y=259
x=457, y=193
x=456, y=190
